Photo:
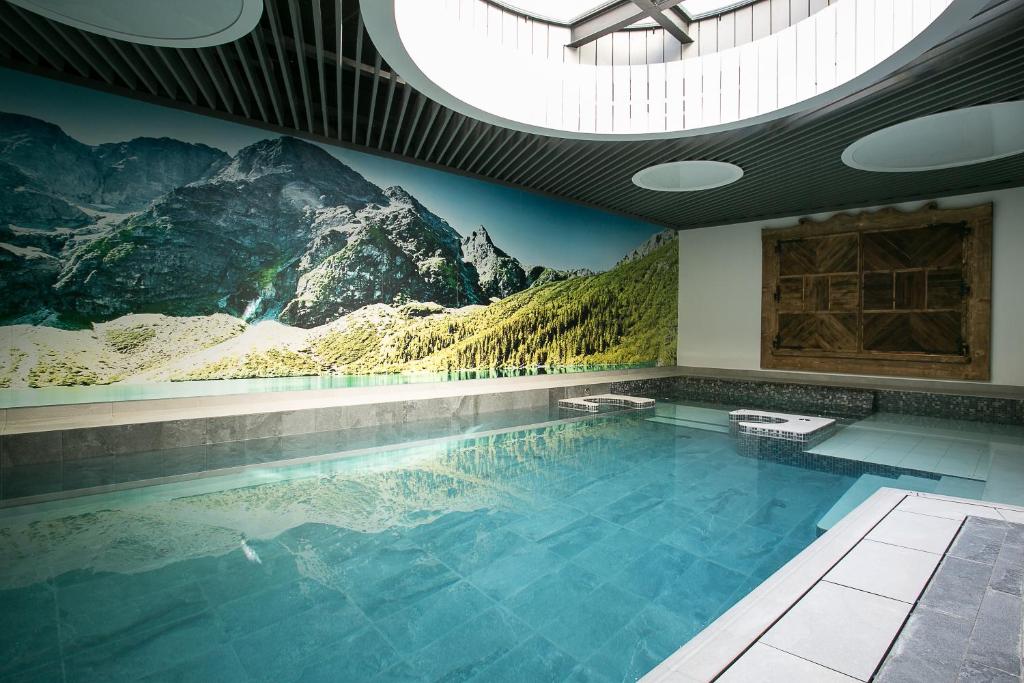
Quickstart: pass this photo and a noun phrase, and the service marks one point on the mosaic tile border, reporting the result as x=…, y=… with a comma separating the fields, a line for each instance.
x=844, y=402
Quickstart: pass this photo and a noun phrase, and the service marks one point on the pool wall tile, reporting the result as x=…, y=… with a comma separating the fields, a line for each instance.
x=31, y=448
x=829, y=400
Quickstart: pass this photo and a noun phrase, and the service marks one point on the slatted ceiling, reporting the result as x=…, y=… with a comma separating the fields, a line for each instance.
x=287, y=75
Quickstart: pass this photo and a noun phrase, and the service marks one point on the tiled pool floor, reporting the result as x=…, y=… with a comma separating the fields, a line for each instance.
x=586, y=551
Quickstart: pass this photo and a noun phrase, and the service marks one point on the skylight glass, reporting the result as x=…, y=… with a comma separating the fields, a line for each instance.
x=568, y=11
x=562, y=11
x=698, y=7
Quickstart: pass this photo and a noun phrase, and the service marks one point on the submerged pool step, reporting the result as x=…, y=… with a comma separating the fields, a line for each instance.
x=865, y=487
x=960, y=488
x=690, y=424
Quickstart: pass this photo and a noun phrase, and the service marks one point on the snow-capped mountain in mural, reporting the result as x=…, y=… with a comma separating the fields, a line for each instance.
x=157, y=259
x=283, y=229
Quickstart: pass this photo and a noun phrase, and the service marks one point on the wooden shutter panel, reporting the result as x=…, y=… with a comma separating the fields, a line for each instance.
x=881, y=293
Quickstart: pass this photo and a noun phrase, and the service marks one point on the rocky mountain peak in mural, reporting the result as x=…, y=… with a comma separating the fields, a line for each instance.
x=323, y=179
x=655, y=241
x=500, y=274
x=122, y=176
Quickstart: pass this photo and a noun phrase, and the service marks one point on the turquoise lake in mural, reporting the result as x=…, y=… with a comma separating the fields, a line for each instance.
x=21, y=398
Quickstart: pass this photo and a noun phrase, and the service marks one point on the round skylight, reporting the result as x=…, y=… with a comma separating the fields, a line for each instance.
x=515, y=74
x=687, y=176
x=183, y=23
x=945, y=140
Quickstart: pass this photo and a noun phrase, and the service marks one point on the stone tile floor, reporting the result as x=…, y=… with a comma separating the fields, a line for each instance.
x=967, y=625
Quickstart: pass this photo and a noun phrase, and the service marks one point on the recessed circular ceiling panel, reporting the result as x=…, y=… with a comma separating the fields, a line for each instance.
x=182, y=23
x=945, y=140
x=499, y=72
x=687, y=176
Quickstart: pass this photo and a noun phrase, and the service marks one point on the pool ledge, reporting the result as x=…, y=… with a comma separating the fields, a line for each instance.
x=500, y=393
x=825, y=616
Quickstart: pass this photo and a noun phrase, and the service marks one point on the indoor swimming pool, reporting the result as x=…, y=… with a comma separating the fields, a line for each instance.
x=580, y=549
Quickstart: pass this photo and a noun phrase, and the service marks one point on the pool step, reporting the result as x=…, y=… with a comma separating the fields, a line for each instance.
x=960, y=488
x=690, y=424
x=864, y=488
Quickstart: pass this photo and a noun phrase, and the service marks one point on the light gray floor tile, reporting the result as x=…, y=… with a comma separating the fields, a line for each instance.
x=920, y=532
x=766, y=664
x=945, y=508
x=888, y=570
x=840, y=628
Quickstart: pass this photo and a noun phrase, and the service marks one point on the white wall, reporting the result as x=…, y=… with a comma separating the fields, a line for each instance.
x=720, y=288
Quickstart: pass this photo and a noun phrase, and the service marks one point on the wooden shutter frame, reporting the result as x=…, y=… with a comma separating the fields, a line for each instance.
x=977, y=311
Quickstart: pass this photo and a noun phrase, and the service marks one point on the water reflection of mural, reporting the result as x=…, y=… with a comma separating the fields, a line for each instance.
x=381, y=495
x=154, y=259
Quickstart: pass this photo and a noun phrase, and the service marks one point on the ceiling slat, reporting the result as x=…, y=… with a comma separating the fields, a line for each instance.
x=373, y=99
x=173, y=63
x=268, y=75
x=146, y=77
x=392, y=83
x=57, y=54
x=355, y=86
x=250, y=78
x=233, y=81
x=318, y=37
x=282, y=63
x=420, y=103
x=300, y=59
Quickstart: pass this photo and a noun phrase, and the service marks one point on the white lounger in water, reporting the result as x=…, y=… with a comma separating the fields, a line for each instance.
x=592, y=404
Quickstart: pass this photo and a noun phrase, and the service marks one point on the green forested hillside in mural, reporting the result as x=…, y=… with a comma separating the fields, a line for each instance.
x=621, y=317
x=158, y=260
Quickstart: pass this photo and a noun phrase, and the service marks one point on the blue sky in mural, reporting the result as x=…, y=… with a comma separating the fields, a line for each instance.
x=533, y=228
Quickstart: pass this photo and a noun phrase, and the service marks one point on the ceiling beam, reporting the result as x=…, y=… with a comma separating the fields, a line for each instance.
x=674, y=24
x=621, y=15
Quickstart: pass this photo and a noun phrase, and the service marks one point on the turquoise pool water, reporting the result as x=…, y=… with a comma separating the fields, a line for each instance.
x=124, y=391
x=586, y=550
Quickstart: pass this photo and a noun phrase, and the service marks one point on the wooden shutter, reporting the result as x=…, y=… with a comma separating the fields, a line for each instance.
x=888, y=293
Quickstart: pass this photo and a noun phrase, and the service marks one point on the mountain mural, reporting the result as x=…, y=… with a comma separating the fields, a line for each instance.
x=156, y=259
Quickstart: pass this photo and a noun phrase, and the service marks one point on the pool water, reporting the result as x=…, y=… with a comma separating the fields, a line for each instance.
x=584, y=550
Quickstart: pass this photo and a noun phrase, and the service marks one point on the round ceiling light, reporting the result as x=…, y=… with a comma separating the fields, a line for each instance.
x=183, y=23
x=687, y=176
x=945, y=140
